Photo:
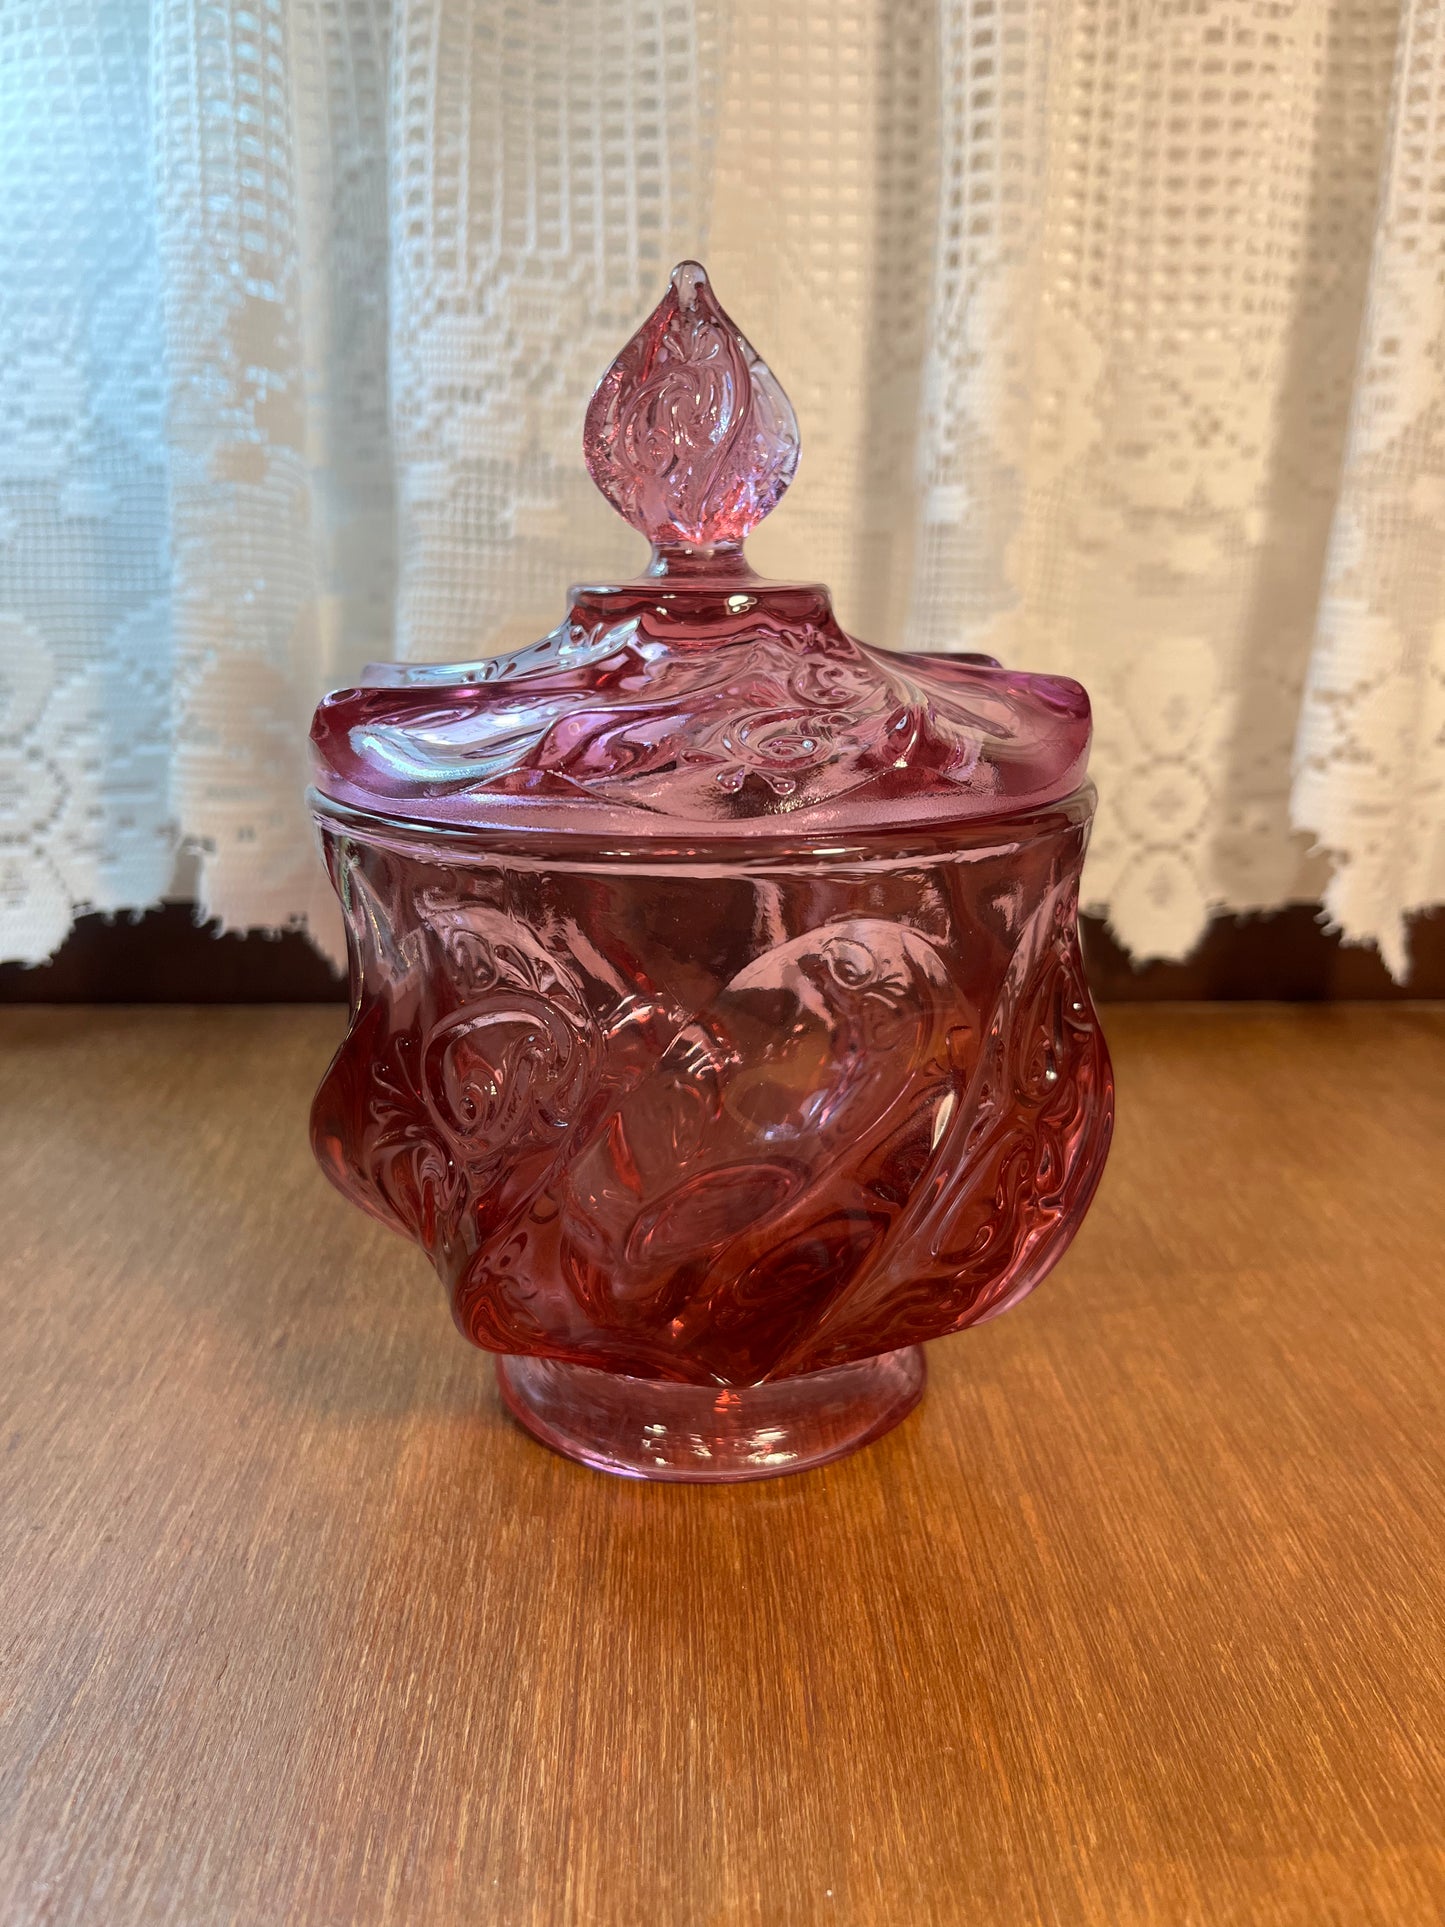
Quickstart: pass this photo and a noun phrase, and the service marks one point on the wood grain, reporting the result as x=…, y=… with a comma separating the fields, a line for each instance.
x=1140, y=1619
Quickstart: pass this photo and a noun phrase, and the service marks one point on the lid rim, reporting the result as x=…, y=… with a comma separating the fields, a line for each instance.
x=676, y=846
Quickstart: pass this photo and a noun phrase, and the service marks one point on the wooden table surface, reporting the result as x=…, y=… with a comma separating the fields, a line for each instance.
x=1140, y=1618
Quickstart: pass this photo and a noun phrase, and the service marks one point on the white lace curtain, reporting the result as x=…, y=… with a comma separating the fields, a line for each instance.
x=1116, y=331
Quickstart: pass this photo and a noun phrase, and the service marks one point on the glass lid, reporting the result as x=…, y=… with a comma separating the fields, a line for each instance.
x=701, y=699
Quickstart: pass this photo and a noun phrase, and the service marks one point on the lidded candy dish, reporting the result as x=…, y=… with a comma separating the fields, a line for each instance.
x=718, y=1025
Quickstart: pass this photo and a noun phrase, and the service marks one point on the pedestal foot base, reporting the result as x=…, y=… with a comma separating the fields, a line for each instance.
x=647, y=1428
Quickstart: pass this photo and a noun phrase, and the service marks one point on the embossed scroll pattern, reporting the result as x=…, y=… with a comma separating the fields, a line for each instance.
x=730, y=1131
x=689, y=435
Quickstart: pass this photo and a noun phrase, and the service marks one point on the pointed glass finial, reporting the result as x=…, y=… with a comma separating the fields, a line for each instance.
x=689, y=435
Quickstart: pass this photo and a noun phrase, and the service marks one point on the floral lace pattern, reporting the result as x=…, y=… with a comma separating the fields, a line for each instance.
x=1370, y=756
x=1115, y=331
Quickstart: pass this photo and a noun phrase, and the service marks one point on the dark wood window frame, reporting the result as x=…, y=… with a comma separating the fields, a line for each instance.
x=164, y=956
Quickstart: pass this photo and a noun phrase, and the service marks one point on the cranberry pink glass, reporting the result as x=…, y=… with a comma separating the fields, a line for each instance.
x=718, y=1023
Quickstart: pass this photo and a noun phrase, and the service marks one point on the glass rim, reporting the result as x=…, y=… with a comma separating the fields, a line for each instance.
x=886, y=843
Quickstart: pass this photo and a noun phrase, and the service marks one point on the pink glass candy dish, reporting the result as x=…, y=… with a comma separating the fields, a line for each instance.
x=718, y=1023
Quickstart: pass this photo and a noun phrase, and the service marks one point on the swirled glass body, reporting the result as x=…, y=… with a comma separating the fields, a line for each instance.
x=712, y=1115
